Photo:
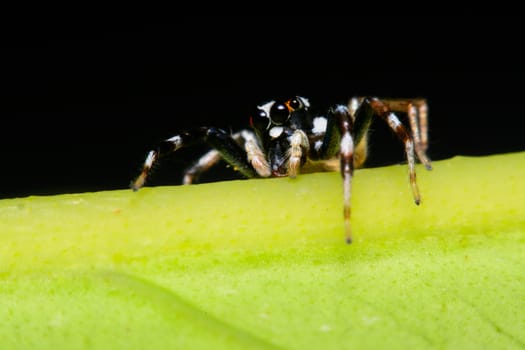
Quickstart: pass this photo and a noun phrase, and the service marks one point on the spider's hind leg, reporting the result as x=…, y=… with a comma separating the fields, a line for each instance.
x=417, y=112
x=373, y=106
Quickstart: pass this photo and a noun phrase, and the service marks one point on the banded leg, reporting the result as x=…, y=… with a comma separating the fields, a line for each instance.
x=254, y=155
x=383, y=110
x=343, y=118
x=417, y=112
x=205, y=162
x=338, y=139
x=218, y=139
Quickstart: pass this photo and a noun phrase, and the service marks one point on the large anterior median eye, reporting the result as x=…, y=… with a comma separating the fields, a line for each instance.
x=259, y=120
x=279, y=113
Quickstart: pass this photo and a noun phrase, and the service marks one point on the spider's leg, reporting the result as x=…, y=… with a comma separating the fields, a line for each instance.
x=418, y=118
x=326, y=136
x=254, y=155
x=338, y=140
x=346, y=155
x=218, y=139
x=378, y=107
x=204, y=163
x=417, y=112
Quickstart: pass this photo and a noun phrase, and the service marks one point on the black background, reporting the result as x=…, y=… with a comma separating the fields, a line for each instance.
x=83, y=103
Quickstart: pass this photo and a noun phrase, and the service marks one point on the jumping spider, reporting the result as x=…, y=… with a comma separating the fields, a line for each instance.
x=286, y=139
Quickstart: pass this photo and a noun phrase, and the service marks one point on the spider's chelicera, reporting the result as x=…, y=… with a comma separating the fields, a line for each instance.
x=285, y=139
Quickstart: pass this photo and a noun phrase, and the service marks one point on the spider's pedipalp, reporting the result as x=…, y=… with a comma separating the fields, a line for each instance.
x=255, y=154
x=299, y=146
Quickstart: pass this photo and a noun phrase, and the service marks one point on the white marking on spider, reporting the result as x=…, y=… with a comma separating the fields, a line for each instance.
x=177, y=141
x=150, y=159
x=320, y=124
x=347, y=144
x=353, y=106
x=318, y=144
x=305, y=101
x=276, y=131
x=393, y=121
x=266, y=108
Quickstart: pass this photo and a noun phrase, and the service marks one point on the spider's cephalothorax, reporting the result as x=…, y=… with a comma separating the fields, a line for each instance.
x=285, y=139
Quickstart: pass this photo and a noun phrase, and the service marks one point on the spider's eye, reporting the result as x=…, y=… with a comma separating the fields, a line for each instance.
x=259, y=120
x=279, y=113
x=294, y=104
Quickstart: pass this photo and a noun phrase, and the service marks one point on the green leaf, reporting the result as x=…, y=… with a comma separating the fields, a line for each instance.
x=262, y=264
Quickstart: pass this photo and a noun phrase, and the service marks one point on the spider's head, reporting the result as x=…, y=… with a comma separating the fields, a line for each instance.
x=279, y=114
x=274, y=123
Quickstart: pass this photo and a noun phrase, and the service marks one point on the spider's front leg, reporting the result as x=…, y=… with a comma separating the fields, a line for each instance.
x=254, y=154
x=338, y=139
x=223, y=143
